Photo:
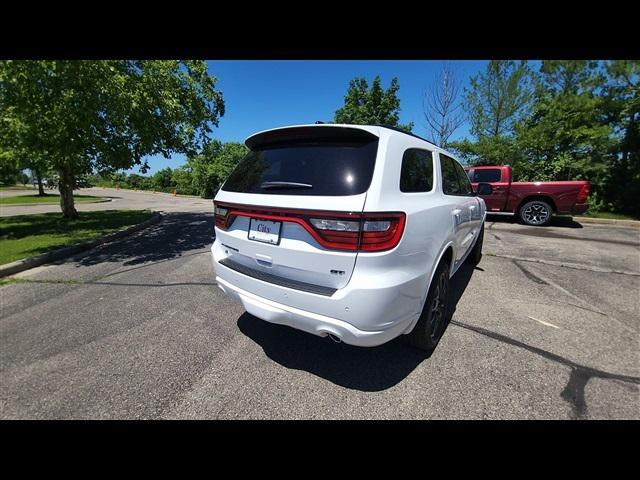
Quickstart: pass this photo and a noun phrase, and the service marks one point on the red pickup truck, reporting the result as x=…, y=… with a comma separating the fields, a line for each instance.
x=533, y=202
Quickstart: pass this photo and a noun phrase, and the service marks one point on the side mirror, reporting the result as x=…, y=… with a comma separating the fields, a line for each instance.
x=484, y=189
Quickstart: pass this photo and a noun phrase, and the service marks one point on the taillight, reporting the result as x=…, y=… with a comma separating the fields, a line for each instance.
x=381, y=231
x=369, y=232
x=583, y=193
x=220, y=216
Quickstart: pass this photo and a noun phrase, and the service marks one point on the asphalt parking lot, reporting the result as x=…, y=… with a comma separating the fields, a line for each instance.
x=546, y=327
x=120, y=199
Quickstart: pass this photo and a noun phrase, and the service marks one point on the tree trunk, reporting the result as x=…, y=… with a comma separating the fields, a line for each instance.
x=40, y=187
x=66, y=193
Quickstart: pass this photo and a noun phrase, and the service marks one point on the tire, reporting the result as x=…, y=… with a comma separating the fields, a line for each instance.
x=429, y=328
x=475, y=255
x=536, y=213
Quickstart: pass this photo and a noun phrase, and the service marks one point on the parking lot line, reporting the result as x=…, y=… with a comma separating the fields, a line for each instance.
x=543, y=322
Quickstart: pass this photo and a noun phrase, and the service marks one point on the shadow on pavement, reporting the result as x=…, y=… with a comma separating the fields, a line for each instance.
x=367, y=369
x=176, y=234
x=556, y=221
x=574, y=391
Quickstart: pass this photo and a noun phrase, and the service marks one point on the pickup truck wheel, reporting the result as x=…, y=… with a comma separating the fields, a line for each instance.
x=435, y=313
x=536, y=212
x=475, y=255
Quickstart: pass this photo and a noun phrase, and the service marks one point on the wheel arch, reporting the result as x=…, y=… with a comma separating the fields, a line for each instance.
x=545, y=198
x=446, y=254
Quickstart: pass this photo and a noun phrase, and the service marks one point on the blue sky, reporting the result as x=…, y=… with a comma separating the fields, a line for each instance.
x=262, y=94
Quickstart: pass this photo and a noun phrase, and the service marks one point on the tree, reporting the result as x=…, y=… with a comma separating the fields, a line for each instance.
x=498, y=98
x=371, y=106
x=182, y=178
x=23, y=178
x=496, y=101
x=621, y=108
x=39, y=169
x=488, y=151
x=104, y=115
x=9, y=167
x=135, y=181
x=163, y=179
x=442, y=109
x=211, y=168
x=564, y=137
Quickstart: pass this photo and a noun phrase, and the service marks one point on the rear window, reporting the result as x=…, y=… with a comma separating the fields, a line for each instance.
x=488, y=175
x=332, y=167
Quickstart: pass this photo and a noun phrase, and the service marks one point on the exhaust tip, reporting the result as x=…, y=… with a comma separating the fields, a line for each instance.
x=335, y=338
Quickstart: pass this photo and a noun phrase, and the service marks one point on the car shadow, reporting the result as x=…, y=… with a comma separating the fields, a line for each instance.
x=175, y=235
x=367, y=369
x=556, y=221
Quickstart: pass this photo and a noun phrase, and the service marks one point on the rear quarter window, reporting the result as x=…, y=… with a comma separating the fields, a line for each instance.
x=417, y=171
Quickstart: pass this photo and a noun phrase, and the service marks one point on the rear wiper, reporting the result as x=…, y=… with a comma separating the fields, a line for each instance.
x=266, y=185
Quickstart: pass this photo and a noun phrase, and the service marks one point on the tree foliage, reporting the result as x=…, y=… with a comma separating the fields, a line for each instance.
x=498, y=98
x=371, y=106
x=202, y=174
x=564, y=136
x=104, y=115
x=582, y=122
x=211, y=168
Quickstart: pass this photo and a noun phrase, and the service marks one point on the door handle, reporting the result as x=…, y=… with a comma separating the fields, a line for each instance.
x=456, y=215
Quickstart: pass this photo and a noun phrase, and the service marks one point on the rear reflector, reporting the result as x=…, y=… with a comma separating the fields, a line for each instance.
x=370, y=232
x=583, y=194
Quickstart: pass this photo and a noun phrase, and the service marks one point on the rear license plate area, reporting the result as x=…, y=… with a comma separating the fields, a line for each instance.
x=265, y=231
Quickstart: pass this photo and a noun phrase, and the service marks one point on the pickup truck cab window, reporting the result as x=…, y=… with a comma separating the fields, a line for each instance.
x=485, y=175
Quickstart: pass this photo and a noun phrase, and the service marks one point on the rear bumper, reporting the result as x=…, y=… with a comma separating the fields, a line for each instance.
x=309, y=322
x=579, y=208
x=369, y=311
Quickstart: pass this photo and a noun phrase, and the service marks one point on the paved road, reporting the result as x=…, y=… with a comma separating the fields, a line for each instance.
x=137, y=329
x=120, y=199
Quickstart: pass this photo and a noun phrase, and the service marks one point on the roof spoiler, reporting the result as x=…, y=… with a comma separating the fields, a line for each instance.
x=325, y=132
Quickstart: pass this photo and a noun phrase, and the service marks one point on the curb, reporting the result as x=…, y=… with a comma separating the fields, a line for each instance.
x=607, y=221
x=32, y=262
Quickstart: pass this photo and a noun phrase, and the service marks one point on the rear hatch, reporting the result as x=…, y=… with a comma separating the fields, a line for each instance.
x=291, y=211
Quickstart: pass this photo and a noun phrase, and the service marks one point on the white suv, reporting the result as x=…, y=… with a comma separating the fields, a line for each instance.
x=347, y=231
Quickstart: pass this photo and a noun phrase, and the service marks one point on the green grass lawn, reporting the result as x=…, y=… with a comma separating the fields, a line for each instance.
x=28, y=235
x=48, y=199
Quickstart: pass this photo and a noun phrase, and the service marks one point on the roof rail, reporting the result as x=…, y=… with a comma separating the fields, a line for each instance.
x=398, y=129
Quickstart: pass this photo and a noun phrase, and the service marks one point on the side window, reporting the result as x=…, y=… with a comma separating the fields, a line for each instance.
x=417, y=171
x=465, y=185
x=450, y=183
